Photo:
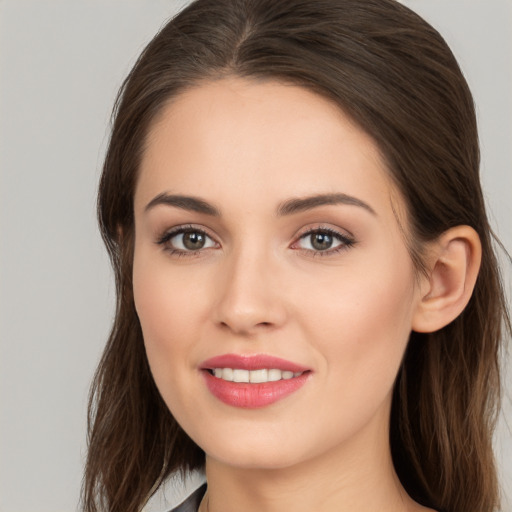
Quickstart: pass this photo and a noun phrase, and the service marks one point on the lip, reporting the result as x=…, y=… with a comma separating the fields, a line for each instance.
x=251, y=362
x=252, y=396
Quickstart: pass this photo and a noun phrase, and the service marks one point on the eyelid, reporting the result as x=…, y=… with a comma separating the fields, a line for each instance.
x=346, y=238
x=170, y=233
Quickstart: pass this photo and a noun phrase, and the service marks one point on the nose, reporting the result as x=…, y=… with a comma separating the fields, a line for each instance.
x=250, y=298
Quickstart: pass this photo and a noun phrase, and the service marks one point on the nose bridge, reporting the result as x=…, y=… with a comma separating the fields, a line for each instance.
x=249, y=296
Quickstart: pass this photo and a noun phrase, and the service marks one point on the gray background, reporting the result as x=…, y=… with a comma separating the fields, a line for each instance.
x=61, y=63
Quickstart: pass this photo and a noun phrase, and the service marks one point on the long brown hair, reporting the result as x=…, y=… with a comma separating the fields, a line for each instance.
x=394, y=75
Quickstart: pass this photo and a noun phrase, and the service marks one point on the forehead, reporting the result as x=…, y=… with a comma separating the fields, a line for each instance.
x=258, y=140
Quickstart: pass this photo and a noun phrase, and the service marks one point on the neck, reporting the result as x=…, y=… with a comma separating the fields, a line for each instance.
x=358, y=475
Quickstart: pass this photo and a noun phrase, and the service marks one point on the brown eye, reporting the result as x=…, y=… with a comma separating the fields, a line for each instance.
x=324, y=240
x=194, y=240
x=321, y=241
x=186, y=240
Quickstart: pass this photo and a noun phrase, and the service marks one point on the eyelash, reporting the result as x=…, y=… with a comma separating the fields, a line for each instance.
x=346, y=241
x=168, y=235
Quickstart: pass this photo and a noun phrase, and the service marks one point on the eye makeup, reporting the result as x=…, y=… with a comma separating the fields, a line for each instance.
x=190, y=241
x=324, y=241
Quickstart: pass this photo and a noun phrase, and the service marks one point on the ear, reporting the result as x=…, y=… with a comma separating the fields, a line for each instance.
x=454, y=262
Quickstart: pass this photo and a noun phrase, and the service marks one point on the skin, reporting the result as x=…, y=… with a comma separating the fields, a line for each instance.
x=259, y=287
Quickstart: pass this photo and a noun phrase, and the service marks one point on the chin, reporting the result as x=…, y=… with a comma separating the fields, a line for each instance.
x=254, y=457
x=271, y=447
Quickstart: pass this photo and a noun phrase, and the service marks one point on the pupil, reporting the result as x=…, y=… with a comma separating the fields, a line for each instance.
x=321, y=241
x=193, y=240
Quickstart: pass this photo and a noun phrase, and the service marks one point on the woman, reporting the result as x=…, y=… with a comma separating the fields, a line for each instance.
x=309, y=305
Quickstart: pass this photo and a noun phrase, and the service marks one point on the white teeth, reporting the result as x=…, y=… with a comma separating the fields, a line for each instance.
x=274, y=375
x=254, y=376
x=227, y=374
x=240, y=375
x=258, y=376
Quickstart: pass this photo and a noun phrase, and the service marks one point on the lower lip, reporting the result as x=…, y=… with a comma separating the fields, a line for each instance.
x=253, y=396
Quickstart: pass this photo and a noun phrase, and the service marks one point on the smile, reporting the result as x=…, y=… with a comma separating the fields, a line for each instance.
x=252, y=381
x=253, y=376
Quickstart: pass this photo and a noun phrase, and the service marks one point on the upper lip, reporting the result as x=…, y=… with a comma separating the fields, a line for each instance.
x=251, y=362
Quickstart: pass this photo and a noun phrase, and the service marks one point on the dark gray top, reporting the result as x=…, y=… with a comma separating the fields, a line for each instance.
x=191, y=504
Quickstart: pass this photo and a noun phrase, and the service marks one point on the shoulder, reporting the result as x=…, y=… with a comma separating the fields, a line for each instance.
x=191, y=504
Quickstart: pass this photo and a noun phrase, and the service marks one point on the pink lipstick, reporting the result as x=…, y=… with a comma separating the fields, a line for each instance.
x=252, y=381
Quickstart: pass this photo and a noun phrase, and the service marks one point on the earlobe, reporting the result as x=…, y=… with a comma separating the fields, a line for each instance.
x=454, y=263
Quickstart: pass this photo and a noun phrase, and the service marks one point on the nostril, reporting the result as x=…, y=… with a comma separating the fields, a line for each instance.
x=245, y=329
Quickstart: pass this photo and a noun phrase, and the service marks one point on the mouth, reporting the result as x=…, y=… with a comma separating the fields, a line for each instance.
x=252, y=381
x=253, y=376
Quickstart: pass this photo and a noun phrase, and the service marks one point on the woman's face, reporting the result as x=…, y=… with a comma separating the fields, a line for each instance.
x=266, y=239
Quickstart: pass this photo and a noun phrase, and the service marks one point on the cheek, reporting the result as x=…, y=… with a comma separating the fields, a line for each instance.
x=361, y=327
x=168, y=312
x=164, y=294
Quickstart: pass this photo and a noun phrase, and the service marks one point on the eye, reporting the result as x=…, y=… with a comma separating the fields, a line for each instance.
x=324, y=240
x=186, y=240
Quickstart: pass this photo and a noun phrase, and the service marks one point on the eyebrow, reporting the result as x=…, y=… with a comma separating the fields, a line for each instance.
x=185, y=202
x=288, y=207
x=301, y=204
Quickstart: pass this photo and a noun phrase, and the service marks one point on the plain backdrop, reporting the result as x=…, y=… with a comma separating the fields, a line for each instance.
x=61, y=63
